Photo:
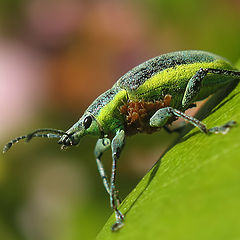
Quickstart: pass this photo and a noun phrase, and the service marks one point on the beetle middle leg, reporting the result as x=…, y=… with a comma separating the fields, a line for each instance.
x=161, y=117
x=194, y=84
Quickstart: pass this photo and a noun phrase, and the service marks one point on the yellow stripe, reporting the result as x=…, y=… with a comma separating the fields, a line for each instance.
x=109, y=114
x=175, y=77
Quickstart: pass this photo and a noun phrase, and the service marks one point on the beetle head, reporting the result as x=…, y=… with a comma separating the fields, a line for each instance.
x=87, y=125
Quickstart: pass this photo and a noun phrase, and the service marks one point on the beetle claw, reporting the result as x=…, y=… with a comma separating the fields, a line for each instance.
x=117, y=225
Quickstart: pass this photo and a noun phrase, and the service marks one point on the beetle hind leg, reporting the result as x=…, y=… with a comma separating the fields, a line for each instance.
x=195, y=83
x=224, y=128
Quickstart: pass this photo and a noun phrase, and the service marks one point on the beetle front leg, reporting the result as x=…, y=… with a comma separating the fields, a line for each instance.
x=101, y=146
x=160, y=118
x=117, y=146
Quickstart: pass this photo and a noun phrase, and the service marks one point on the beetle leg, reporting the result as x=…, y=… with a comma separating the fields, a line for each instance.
x=160, y=118
x=101, y=146
x=117, y=146
x=195, y=83
x=224, y=128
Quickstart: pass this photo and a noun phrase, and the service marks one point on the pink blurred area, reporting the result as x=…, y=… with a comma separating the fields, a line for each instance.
x=23, y=82
x=52, y=23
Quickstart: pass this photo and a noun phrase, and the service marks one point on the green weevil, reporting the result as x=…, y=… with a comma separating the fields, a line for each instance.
x=145, y=99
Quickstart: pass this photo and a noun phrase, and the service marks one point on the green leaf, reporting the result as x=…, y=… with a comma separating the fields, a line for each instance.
x=193, y=191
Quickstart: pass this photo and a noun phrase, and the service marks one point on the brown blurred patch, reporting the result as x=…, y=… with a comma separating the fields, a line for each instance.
x=104, y=48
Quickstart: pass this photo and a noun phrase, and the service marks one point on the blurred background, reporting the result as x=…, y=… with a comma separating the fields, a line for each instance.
x=56, y=57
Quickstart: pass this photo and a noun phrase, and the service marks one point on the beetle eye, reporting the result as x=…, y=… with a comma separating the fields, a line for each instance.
x=87, y=122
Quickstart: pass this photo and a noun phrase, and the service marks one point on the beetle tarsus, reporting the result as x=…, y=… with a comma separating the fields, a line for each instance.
x=224, y=128
x=116, y=226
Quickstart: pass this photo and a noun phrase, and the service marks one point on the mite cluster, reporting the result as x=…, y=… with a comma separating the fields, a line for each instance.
x=138, y=113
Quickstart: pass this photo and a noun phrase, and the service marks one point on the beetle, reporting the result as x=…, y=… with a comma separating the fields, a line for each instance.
x=145, y=99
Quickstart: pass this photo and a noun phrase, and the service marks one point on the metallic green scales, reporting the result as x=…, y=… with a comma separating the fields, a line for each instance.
x=170, y=73
x=138, y=75
x=103, y=100
x=105, y=109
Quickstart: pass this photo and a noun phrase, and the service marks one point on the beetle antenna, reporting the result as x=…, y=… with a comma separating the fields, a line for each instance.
x=52, y=133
